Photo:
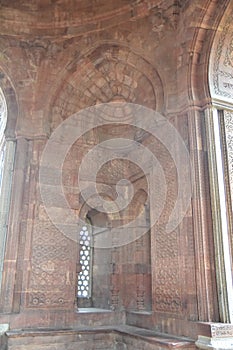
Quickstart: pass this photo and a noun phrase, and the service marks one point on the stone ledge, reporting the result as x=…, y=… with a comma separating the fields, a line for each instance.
x=89, y=310
x=147, y=337
x=169, y=341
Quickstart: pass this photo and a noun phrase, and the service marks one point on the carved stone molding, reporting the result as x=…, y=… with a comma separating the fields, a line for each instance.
x=165, y=16
x=228, y=124
x=221, y=338
x=214, y=344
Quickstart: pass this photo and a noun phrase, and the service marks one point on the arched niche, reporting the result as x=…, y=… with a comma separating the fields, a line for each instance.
x=135, y=262
x=120, y=272
x=99, y=250
x=100, y=75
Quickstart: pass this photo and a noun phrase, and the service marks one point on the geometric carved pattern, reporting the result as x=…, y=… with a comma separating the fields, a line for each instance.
x=51, y=278
x=228, y=123
x=167, y=245
x=166, y=267
x=167, y=292
x=221, y=331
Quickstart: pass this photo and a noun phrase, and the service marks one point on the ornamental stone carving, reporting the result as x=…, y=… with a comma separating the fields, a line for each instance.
x=221, y=62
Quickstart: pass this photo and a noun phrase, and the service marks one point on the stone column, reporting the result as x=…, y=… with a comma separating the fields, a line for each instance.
x=219, y=215
x=220, y=335
x=203, y=241
x=5, y=195
x=12, y=272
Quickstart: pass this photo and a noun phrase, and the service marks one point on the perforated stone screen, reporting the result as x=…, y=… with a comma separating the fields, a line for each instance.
x=84, y=277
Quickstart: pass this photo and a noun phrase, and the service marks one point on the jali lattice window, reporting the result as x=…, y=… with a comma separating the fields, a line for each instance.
x=84, y=277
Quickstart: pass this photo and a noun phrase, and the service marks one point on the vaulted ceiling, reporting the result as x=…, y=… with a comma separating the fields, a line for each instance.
x=68, y=18
x=63, y=55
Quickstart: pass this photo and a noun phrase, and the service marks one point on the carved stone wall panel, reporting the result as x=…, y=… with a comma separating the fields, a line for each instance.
x=221, y=63
x=228, y=123
x=166, y=271
x=228, y=147
x=173, y=252
x=167, y=295
x=53, y=268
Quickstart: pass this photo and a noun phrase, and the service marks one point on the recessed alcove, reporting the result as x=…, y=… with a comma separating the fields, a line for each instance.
x=114, y=264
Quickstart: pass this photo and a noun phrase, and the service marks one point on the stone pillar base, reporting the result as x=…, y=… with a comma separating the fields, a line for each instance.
x=3, y=340
x=220, y=338
x=4, y=327
x=214, y=343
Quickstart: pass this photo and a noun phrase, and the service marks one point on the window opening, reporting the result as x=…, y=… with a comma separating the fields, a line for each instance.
x=84, y=276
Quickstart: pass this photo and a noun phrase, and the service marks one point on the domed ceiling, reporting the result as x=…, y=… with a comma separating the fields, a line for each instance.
x=73, y=17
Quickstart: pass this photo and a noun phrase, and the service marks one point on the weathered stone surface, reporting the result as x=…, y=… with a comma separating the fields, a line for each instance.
x=110, y=338
x=58, y=58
